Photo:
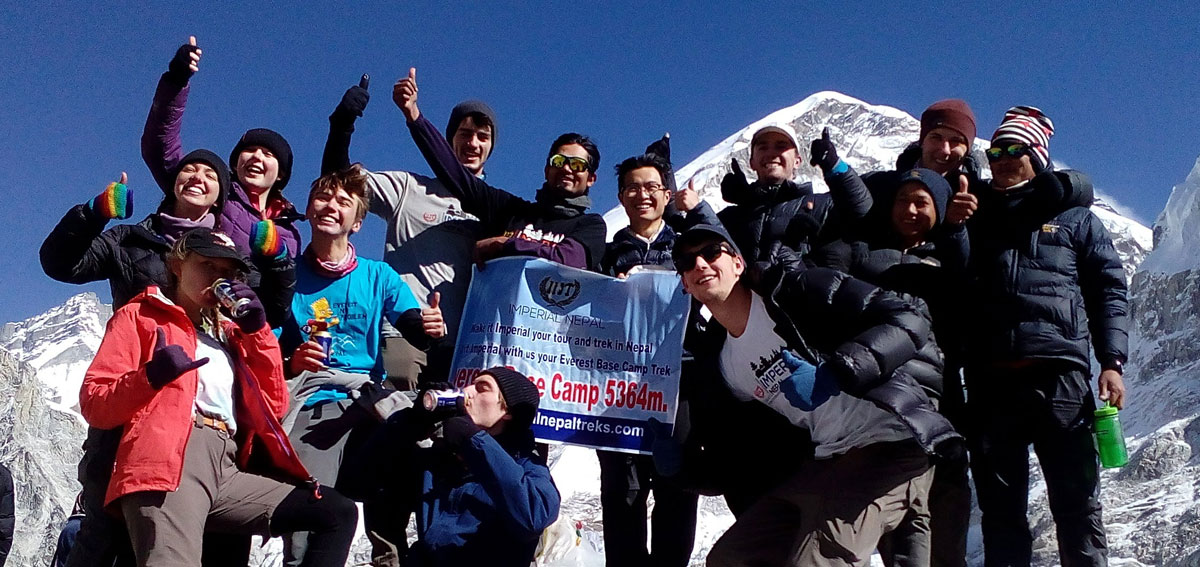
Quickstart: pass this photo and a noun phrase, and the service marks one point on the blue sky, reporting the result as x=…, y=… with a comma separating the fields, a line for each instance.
x=1120, y=85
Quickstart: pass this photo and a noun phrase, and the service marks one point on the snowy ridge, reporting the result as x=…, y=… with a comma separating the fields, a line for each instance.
x=59, y=344
x=869, y=138
x=1176, y=229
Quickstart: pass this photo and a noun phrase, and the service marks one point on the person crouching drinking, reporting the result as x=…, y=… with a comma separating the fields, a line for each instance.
x=194, y=388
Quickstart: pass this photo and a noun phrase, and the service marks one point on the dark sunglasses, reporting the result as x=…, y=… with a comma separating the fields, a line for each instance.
x=574, y=163
x=1012, y=150
x=687, y=261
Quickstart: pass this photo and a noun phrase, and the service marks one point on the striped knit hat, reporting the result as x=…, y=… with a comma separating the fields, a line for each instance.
x=1027, y=125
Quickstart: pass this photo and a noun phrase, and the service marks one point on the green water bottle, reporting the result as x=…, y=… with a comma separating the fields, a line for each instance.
x=1110, y=440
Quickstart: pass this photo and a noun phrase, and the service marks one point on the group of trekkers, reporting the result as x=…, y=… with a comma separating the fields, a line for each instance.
x=251, y=384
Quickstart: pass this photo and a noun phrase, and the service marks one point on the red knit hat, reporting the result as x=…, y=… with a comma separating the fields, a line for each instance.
x=950, y=113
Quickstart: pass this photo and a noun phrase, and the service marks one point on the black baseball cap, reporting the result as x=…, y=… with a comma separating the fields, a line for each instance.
x=213, y=244
x=700, y=233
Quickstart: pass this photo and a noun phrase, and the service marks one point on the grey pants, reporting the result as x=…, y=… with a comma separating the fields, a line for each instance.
x=167, y=528
x=832, y=511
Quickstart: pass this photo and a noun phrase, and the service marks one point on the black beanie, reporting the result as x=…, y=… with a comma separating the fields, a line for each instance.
x=467, y=108
x=520, y=395
x=936, y=185
x=212, y=160
x=271, y=140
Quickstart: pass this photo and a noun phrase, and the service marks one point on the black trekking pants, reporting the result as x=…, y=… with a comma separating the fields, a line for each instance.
x=1049, y=406
x=625, y=482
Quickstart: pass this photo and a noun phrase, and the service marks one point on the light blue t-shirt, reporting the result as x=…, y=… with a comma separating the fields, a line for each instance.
x=361, y=300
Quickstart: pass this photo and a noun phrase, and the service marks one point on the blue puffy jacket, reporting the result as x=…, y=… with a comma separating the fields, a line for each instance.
x=1046, y=278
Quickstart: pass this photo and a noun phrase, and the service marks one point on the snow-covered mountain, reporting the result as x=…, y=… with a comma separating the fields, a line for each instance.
x=1151, y=505
x=869, y=138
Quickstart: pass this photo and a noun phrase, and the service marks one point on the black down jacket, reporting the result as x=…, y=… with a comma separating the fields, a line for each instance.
x=1046, y=277
x=627, y=250
x=792, y=215
x=132, y=257
x=878, y=343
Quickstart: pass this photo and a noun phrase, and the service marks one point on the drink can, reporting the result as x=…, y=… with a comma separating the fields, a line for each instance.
x=324, y=339
x=223, y=289
x=442, y=400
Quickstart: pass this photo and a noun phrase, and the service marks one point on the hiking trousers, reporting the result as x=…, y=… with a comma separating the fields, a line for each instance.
x=832, y=511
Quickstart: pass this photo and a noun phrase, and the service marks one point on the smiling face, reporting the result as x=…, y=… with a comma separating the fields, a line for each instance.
x=334, y=212
x=1008, y=171
x=485, y=405
x=716, y=272
x=570, y=182
x=913, y=213
x=643, y=195
x=257, y=169
x=196, y=190
x=472, y=144
x=774, y=158
x=942, y=149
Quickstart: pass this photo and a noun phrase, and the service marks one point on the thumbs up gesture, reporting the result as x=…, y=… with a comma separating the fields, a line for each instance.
x=115, y=202
x=734, y=182
x=431, y=317
x=353, y=103
x=169, y=362
x=687, y=198
x=824, y=153
x=186, y=61
x=963, y=204
x=404, y=94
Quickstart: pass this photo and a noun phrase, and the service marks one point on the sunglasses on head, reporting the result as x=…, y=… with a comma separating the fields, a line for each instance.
x=574, y=163
x=710, y=253
x=1011, y=150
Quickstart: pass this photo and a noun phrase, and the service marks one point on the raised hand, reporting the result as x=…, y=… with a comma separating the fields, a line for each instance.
x=734, y=182
x=404, y=94
x=185, y=62
x=824, y=153
x=353, y=103
x=431, y=317
x=963, y=204
x=115, y=202
x=687, y=198
x=265, y=241
x=169, y=362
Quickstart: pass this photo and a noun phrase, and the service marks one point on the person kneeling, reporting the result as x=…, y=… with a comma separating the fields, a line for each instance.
x=485, y=493
x=194, y=388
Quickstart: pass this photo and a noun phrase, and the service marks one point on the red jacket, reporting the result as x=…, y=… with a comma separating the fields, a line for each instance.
x=157, y=423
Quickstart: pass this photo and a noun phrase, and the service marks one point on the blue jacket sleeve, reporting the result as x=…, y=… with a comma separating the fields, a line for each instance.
x=522, y=489
x=478, y=198
x=1102, y=282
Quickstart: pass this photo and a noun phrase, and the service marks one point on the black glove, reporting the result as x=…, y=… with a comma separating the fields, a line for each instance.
x=457, y=430
x=734, y=182
x=253, y=317
x=353, y=103
x=824, y=153
x=180, y=68
x=169, y=362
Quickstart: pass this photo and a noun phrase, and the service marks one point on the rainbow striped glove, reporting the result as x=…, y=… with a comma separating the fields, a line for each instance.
x=265, y=242
x=116, y=202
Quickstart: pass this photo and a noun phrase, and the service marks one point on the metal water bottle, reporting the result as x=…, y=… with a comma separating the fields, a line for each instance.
x=1110, y=440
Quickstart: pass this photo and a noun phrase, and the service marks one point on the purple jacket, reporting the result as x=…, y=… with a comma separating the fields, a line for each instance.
x=162, y=150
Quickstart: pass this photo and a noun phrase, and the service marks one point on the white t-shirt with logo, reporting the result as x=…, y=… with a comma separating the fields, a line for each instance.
x=214, y=384
x=754, y=365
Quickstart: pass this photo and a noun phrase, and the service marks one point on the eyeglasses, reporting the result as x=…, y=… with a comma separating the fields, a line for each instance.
x=574, y=163
x=1012, y=150
x=633, y=189
x=710, y=253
